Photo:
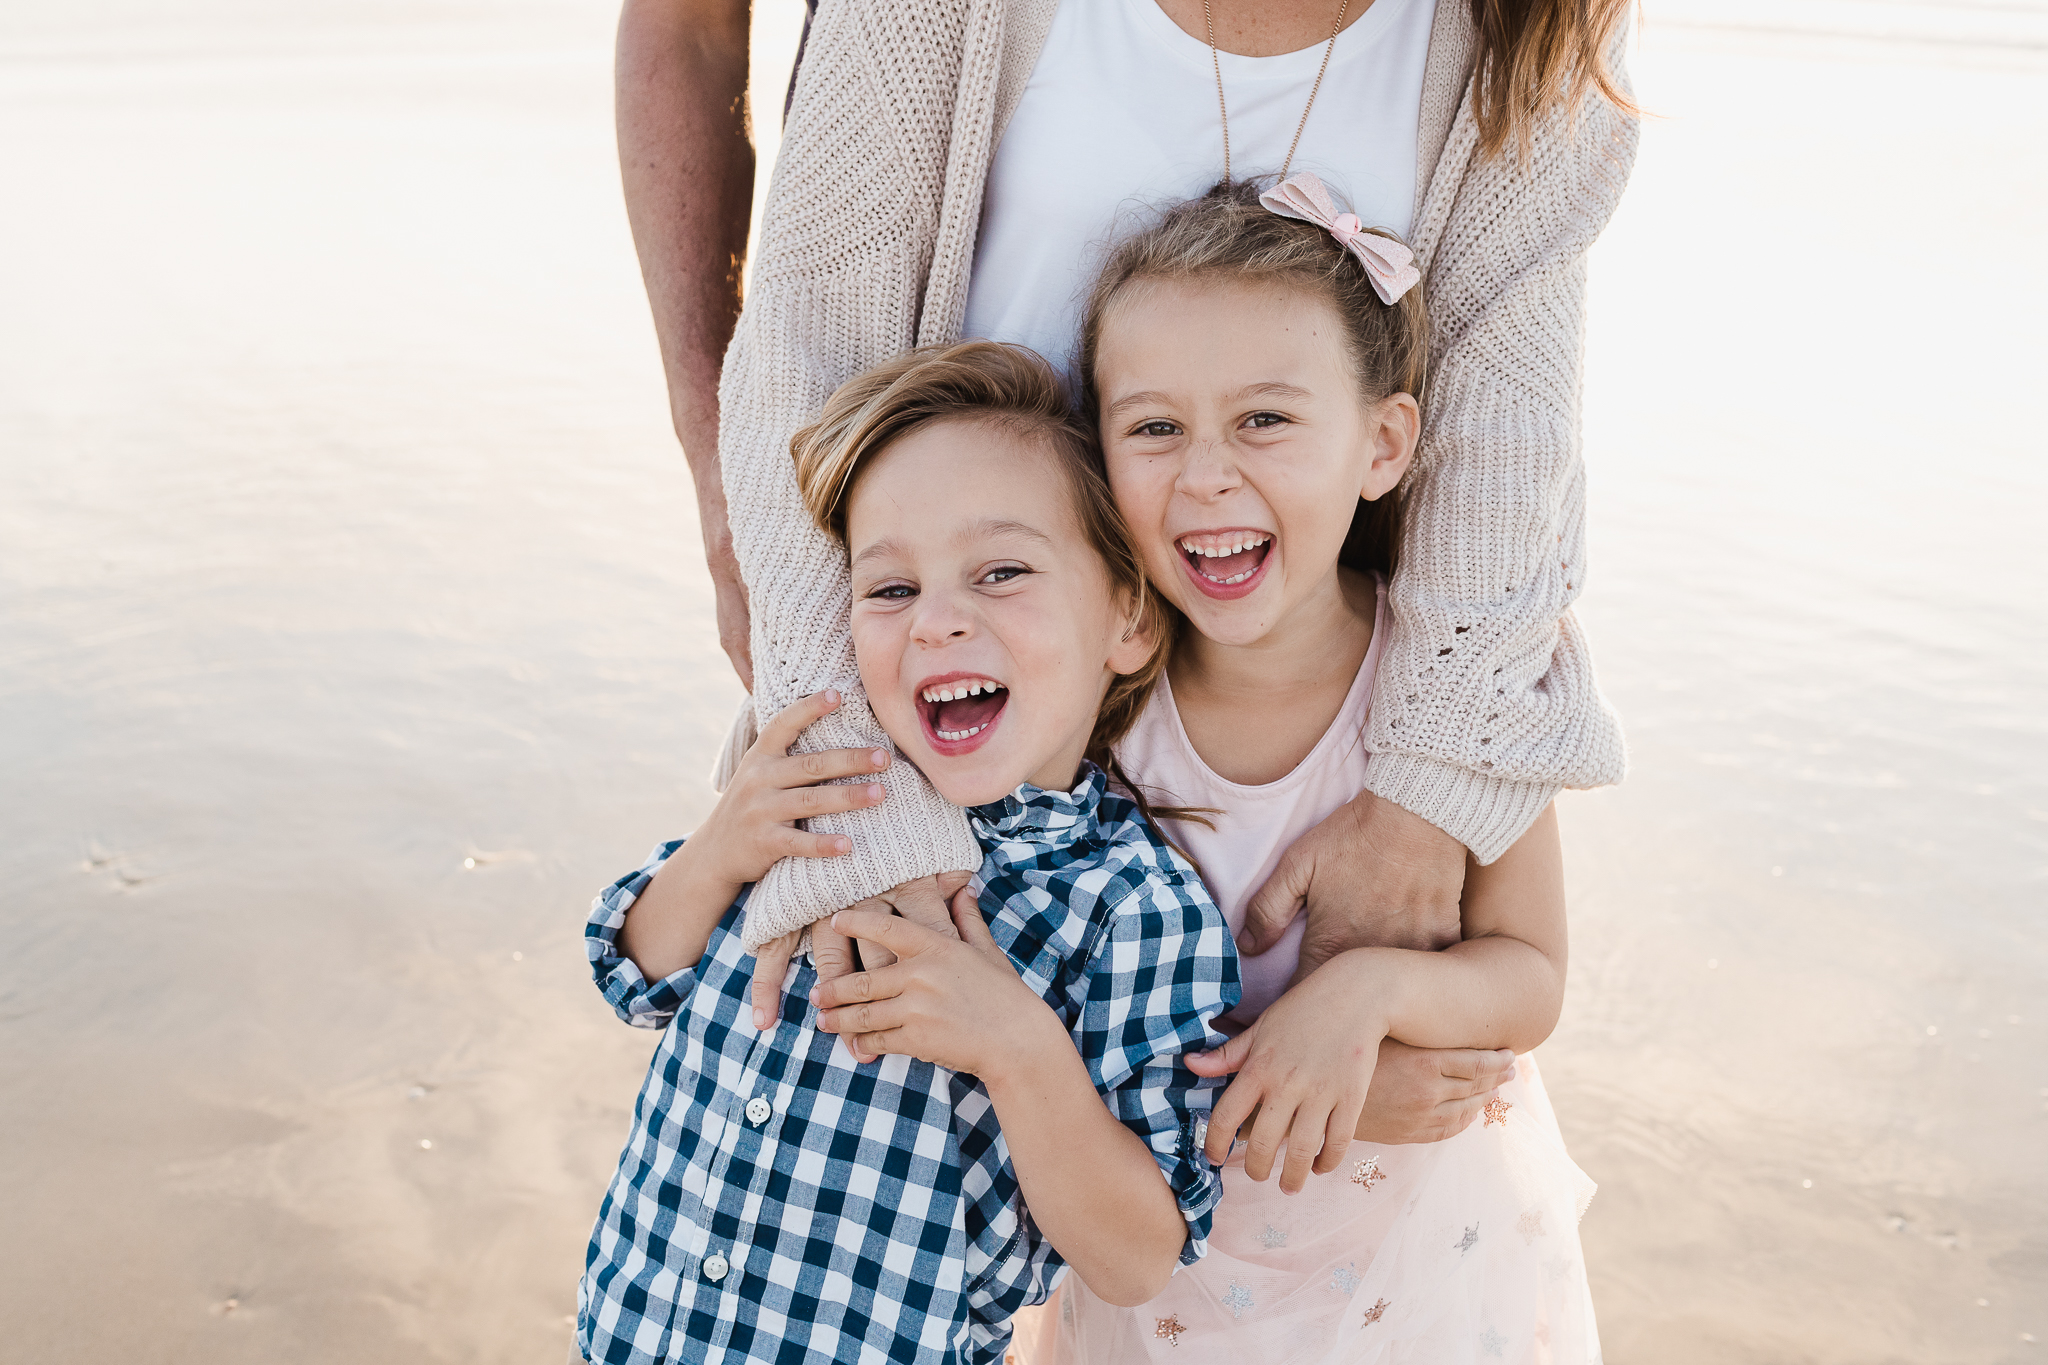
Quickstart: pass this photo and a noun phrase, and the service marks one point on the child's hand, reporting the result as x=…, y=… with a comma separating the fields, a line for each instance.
x=956, y=1002
x=923, y=900
x=1305, y=1066
x=754, y=823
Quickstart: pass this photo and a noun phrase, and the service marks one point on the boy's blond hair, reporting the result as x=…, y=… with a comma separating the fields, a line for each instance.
x=1010, y=389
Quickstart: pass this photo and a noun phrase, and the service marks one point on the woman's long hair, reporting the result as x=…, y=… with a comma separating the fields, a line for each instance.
x=1538, y=56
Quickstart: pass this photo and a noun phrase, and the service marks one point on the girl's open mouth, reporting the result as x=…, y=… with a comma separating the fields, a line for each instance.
x=960, y=712
x=1226, y=564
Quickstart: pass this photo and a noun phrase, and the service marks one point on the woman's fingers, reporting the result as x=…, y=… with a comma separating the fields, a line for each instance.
x=1477, y=1072
x=785, y=725
x=1455, y=1116
x=771, y=968
x=1274, y=905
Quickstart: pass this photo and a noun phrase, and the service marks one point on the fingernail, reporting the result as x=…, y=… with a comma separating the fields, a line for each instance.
x=760, y=1020
x=881, y=758
x=843, y=844
x=831, y=697
x=874, y=791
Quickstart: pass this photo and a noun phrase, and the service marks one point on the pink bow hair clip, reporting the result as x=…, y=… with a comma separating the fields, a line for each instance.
x=1389, y=264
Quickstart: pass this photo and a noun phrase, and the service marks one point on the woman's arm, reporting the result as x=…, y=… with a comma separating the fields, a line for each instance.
x=1093, y=1187
x=1307, y=1064
x=686, y=160
x=1485, y=703
x=1503, y=985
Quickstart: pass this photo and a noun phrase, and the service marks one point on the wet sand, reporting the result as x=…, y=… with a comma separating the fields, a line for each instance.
x=353, y=632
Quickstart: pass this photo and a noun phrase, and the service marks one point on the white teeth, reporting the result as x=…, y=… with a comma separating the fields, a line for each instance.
x=960, y=691
x=1235, y=545
x=953, y=736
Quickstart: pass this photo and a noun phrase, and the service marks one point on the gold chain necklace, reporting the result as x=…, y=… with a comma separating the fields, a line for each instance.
x=1216, y=61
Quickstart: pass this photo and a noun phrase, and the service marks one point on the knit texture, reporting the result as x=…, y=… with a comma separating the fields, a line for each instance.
x=1486, y=703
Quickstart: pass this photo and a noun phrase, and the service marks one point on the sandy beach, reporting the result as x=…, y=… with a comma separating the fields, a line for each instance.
x=354, y=631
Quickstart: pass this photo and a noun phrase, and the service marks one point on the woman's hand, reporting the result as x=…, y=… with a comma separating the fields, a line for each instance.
x=1372, y=874
x=953, y=1001
x=1425, y=1094
x=1306, y=1066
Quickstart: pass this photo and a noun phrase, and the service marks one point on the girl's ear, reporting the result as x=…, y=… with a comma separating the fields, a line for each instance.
x=1140, y=627
x=1396, y=427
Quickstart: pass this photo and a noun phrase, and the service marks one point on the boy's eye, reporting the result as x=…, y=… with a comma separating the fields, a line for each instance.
x=1157, y=429
x=1003, y=574
x=1259, y=421
x=892, y=592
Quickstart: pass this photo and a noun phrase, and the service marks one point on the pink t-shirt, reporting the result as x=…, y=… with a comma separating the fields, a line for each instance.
x=1258, y=824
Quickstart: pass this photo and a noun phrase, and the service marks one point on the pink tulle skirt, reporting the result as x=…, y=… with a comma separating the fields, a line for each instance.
x=1462, y=1252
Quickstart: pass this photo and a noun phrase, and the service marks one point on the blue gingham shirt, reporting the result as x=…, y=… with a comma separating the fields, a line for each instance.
x=872, y=1213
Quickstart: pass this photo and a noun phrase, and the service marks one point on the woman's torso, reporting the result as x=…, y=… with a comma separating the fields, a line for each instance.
x=1120, y=117
x=1258, y=823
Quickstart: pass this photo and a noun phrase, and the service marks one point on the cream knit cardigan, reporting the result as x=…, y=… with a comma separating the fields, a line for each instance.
x=1485, y=704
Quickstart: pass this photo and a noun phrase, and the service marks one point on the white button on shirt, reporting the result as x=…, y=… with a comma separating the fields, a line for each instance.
x=758, y=1110
x=715, y=1266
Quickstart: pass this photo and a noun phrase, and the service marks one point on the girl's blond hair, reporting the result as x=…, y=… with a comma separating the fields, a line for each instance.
x=1227, y=234
x=1010, y=389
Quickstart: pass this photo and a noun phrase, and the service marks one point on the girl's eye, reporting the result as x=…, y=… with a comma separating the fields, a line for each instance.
x=1004, y=574
x=1157, y=429
x=1261, y=421
x=892, y=592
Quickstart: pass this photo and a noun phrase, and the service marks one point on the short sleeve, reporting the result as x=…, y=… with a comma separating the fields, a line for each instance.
x=636, y=1000
x=1163, y=972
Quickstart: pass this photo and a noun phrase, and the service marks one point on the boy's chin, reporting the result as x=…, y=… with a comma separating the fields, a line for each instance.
x=970, y=789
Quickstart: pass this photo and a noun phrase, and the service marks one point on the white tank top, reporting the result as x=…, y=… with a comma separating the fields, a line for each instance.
x=1120, y=118
x=1258, y=824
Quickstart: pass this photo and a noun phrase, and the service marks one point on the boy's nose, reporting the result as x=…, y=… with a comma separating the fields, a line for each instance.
x=941, y=621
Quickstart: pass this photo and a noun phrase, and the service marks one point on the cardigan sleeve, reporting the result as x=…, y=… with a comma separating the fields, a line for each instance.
x=1486, y=703
x=838, y=286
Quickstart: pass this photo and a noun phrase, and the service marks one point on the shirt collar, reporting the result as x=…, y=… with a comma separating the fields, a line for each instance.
x=1051, y=819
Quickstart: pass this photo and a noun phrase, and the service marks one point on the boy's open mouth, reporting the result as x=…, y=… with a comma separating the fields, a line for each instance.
x=1225, y=563
x=960, y=711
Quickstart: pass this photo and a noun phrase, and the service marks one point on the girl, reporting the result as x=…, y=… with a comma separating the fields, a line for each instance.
x=1255, y=363
x=776, y=1200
